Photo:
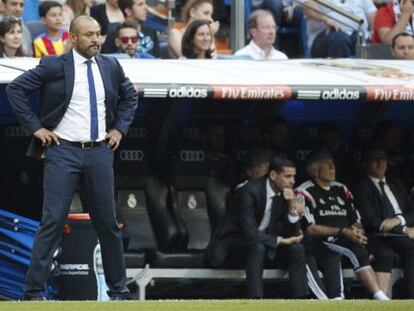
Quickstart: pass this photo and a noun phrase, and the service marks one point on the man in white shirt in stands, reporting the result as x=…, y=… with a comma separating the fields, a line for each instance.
x=262, y=29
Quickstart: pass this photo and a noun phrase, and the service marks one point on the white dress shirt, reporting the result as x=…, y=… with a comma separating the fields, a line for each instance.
x=390, y=196
x=76, y=122
x=255, y=52
x=270, y=194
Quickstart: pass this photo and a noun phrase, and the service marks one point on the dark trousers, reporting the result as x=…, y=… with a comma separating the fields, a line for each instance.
x=329, y=263
x=291, y=257
x=383, y=247
x=64, y=166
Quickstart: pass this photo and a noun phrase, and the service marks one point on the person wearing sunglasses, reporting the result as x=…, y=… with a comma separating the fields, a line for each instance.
x=127, y=42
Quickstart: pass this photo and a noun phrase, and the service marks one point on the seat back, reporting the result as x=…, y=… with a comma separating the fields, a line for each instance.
x=36, y=27
x=197, y=204
x=374, y=51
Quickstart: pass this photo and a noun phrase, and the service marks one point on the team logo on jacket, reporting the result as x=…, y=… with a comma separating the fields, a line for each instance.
x=340, y=201
x=322, y=201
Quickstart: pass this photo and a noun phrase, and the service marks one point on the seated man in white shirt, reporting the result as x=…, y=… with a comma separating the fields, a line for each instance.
x=262, y=29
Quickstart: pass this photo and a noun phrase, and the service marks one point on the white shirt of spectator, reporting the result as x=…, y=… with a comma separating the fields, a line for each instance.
x=76, y=122
x=390, y=196
x=255, y=52
x=264, y=223
x=360, y=8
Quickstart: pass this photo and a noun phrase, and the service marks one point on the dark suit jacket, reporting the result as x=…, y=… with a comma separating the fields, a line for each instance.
x=368, y=201
x=243, y=219
x=54, y=79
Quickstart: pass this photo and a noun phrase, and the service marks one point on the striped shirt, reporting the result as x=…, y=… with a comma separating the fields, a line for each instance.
x=44, y=45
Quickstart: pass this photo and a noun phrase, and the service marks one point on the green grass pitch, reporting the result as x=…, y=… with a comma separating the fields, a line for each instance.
x=213, y=305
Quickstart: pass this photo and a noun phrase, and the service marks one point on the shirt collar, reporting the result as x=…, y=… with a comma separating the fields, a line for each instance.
x=269, y=191
x=79, y=59
x=376, y=180
x=260, y=50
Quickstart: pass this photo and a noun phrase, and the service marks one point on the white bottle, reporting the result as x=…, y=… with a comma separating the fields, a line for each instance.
x=102, y=288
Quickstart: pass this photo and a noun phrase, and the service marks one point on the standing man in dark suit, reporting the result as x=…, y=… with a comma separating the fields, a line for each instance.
x=263, y=224
x=86, y=107
x=387, y=214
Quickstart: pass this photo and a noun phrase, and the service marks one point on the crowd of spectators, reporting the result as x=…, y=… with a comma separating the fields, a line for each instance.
x=328, y=33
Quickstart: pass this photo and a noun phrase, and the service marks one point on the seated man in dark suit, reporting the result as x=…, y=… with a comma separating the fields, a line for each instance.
x=387, y=213
x=332, y=222
x=263, y=224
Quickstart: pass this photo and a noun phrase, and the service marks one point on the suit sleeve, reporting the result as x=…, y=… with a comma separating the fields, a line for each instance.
x=364, y=202
x=18, y=94
x=246, y=203
x=127, y=102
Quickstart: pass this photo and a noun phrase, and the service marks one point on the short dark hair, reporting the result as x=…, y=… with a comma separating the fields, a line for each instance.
x=401, y=34
x=277, y=164
x=372, y=153
x=45, y=6
x=126, y=24
x=253, y=19
x=187, y=44
x=315, y=158
x=125, y=4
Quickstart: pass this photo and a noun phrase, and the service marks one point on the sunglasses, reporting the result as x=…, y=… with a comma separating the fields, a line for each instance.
x=125, y=39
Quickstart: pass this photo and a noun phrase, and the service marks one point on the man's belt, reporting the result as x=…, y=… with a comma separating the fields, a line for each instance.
x=84, y=145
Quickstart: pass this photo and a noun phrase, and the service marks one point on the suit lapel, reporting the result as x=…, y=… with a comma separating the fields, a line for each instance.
x=262, y=199
x=69, y=71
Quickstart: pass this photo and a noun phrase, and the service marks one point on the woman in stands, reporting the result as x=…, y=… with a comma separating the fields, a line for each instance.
x=75, y=8
x=192, y=10
x=11, y=37
x=197, y=40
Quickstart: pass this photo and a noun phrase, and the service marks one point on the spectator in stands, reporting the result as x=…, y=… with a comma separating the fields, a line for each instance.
x=15, y=8
x=263, y=224
x=262, y=30
x=197, y=41
x=107, y=14
x=402, y=46
x=127, y=41
x=137, y=10
x=329, y=38
x=332, y=221
x=392, y=19
x=53, y=41
x=388, y=216
x=73, y=9
x=192, y=10
x=285, y=12
x=11, y=37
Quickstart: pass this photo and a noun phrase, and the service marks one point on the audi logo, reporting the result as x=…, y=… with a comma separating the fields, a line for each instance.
x=302, y=155
x=13, y=131
x=137, y=132
x=192, y=156
x=251, y=134
x=192, y=133
x=131, y=155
